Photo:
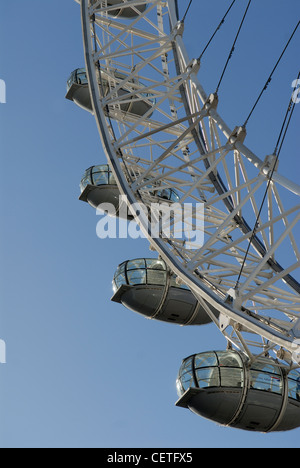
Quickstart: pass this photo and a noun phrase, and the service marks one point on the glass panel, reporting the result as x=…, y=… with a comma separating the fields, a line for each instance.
x=78, y=76
x=179, y=388
x=229, y=359
x=164, y=193
x=294, y=375
x=100, y=178
x=186, y=366
x=81, y=77
x=136, y=277
x=155, y=264
x=114, y=286
x=231, y=377
x=71, y=80
x=266, y=366
x=120, y=269
x=174, y=196
x=136, y=264
x=208, y=377
x=100, y=168
x=120, y=280
x=112, y=180
x=265, y=381
x=206, y=360
x=84, y=182
x=156, y=277
x=294, y=385
x=187, y=380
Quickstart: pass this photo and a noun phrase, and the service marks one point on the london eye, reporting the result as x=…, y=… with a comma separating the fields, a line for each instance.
x=236, y=265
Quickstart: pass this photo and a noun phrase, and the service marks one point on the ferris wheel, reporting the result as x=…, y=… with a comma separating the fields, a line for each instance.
x=180, y=169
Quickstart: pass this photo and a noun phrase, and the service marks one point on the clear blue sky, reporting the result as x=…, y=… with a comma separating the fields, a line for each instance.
x=82, y=371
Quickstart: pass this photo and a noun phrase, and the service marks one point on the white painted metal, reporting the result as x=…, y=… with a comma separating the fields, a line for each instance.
x=182, y=142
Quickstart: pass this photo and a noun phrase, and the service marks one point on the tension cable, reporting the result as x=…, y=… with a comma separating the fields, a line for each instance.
x=217, y=29
x=272, y=73
x=286, y=123
x=280, y=140
x=187, y=10
x=233, y=46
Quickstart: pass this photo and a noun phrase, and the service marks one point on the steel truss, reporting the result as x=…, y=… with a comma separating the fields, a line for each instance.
x=181, y=142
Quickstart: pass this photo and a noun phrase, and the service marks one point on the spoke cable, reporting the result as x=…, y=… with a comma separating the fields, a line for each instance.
x=282, y=135
x=187, y=10
x=283, y=131
x=271, y=75
x=217, y=29
x=233, y=46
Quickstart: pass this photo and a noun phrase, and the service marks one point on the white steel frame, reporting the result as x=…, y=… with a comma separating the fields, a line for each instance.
x=182, y=142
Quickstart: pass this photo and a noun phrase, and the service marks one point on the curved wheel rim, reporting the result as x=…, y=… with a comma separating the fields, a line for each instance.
x=190, y=148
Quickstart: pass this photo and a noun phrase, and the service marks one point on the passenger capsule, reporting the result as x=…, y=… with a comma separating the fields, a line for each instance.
x=225, y=387
x=137, y=104
x=98, y=186
x=146, y=286
x=127, y=12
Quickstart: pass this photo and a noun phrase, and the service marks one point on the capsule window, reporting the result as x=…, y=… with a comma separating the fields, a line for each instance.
x=265, y=366
x=174, y=196
x=121, y=269
x=119, y=277
x=78, y=76
x=205, y=360
x=97, y=175
x=208, y=377
x=187, y=380
x=206, y=370
x=86, y=180
x=135, y=264
x=111, y=180
x=229, y=359
x=136, y=277
x=231, y=377
x=102, y=175
x=155, y=264
x=143, y=271
x=265, y=376
x=71, y=80
x=100, y=178
x=164, y=193
x=186, y=376
x=156, y=277
x=294, y=385
x=120, y=280
x=81, y=77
